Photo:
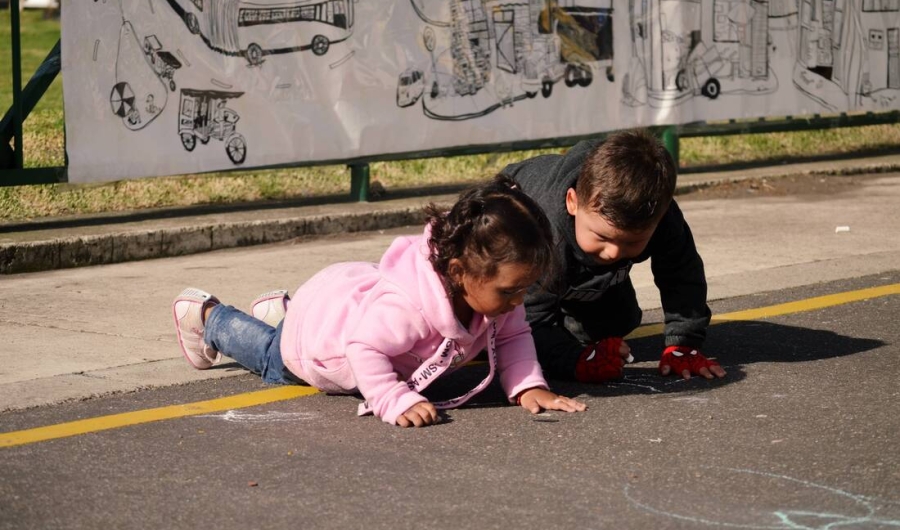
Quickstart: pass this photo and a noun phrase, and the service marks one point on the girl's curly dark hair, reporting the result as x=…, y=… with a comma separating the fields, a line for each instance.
x=491, y=224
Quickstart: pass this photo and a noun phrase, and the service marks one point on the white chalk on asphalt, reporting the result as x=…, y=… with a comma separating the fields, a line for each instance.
x=839, y=229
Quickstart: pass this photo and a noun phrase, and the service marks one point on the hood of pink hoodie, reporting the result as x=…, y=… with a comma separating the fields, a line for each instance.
x=407, y=258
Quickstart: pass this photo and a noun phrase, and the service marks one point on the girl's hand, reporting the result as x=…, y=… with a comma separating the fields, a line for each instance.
x=419, y=415
x=536, y=399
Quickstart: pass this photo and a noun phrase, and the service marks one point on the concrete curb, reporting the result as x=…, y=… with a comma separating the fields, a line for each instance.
x=50, y=250
x=117, y=247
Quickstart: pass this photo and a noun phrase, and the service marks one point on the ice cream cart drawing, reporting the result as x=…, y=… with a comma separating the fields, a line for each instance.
x=204, y=115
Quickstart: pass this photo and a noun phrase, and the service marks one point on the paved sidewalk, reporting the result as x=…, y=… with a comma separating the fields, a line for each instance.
x=115, y=238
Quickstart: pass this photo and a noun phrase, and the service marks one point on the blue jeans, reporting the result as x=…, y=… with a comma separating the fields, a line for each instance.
x=254, y=344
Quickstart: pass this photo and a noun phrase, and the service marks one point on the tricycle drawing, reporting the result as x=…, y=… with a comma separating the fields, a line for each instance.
x=203, y=115
x=164, y=63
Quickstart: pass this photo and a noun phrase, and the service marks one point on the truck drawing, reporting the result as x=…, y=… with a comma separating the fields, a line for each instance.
x=488, y=54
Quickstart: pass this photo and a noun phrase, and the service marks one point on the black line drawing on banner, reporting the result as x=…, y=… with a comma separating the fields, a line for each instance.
x=255, y=29
x=163, y=62
x=687, y=48
x=203, y=115
x=849, y=53
x=492, y=53
x=138, y=95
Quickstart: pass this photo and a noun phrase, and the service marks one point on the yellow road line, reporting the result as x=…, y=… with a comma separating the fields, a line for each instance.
x=800, y=306
x=125, y=419
x=262, y=397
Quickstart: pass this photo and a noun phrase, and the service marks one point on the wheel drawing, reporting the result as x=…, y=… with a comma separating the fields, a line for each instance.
x=236, y=148
x=570, y=76
x=254, y=54
x=681, y=81
x=546, y=88
x=711, y=88
x=320, y=45
x=586, y=77
x=121, y=99
x=192, y=23
x=188, y=141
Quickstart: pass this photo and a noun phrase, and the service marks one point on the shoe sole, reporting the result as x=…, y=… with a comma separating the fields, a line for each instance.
x=189, y=295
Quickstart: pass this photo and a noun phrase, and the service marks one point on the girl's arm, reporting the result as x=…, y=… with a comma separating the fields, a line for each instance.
x=386, y=328
x=516, y=357
x=520, y=372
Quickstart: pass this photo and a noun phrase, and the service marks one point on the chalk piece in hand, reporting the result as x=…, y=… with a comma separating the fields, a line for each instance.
x=630, y=359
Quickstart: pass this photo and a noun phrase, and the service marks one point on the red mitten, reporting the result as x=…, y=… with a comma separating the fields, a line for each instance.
x=600, y=362
x=682, y=358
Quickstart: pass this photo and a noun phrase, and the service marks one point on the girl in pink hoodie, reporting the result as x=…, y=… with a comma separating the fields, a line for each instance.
x=387, y=330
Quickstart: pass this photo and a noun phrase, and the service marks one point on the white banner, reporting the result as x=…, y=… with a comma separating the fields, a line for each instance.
x=162, y=87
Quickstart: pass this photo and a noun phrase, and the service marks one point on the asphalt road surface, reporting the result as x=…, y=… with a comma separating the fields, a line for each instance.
x=801, y=434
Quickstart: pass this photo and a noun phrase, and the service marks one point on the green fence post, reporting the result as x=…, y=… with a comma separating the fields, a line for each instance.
x=670, y=140
x=359, y=182
x=18, y=159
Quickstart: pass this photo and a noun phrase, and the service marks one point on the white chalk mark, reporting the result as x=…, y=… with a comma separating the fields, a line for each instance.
x=238, y=416
x=692, y=399
x=646, y=387
x=788, y=519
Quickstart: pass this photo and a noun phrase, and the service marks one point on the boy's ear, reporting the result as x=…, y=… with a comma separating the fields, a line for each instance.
x=571, y=201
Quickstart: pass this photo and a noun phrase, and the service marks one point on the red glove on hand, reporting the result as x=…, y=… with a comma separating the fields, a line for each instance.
x=684, y=358
x=600, y=362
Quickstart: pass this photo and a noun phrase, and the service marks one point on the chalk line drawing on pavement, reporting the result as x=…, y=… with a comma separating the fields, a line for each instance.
x=791, y=519
x=238, y=416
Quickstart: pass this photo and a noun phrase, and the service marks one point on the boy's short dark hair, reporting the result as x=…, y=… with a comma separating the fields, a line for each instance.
x=629, y=179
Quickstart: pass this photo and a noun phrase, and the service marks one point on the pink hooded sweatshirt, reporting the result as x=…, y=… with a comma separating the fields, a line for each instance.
x=367, y=328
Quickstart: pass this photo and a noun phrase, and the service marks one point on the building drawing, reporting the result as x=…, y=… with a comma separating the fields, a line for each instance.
x=686, y=48
x=849, y=53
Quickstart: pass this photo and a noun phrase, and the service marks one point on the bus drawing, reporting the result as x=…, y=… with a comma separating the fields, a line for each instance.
x=254, y=29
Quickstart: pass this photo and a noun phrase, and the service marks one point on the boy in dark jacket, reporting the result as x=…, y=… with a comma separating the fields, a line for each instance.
x=610, y=204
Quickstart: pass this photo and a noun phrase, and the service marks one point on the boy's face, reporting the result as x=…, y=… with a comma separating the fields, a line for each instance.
x=600, y=239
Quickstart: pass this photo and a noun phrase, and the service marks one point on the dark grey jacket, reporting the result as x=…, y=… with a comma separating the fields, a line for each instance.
x=677, y=267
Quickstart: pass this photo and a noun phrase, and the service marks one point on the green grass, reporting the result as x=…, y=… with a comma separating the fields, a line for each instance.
x=43, y=129
x=44, y=147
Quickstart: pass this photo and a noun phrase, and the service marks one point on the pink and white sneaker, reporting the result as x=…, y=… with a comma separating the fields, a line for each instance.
x=270, y=307
x=188, y=310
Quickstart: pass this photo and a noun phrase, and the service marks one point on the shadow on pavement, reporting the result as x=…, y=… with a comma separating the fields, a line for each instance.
x=733, y=344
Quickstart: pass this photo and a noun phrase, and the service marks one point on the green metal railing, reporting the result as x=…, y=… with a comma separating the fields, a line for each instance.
x=13, y=172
